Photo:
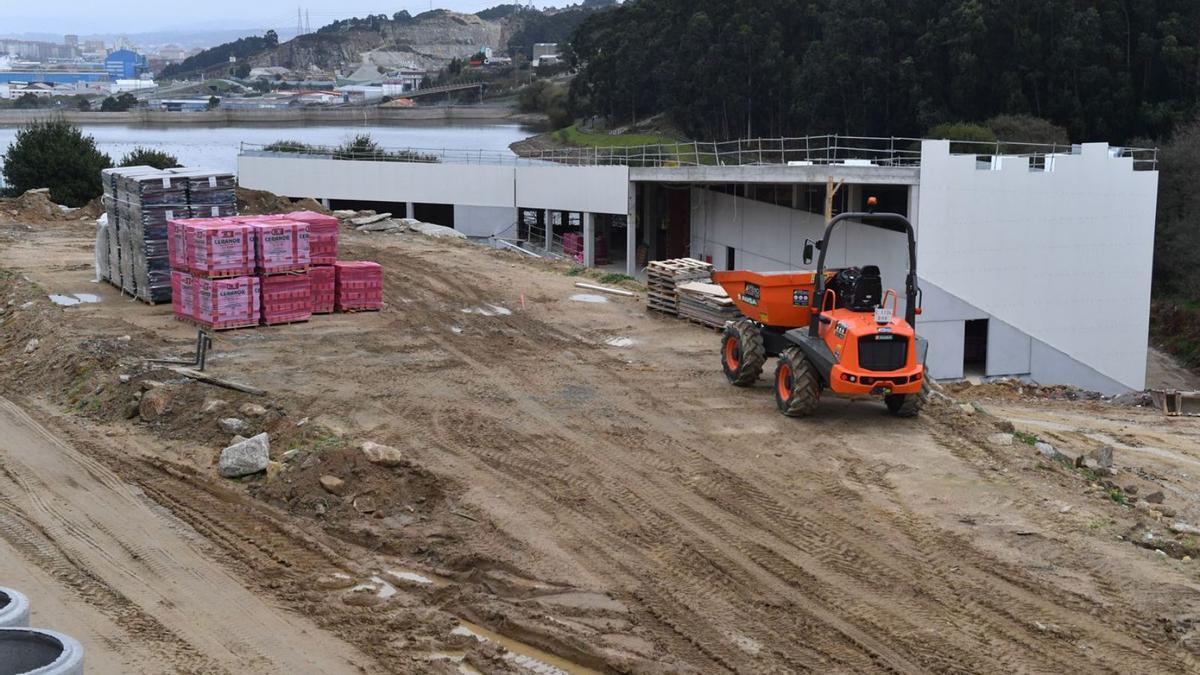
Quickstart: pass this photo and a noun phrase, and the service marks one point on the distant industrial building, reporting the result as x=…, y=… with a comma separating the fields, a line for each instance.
x=125, y=64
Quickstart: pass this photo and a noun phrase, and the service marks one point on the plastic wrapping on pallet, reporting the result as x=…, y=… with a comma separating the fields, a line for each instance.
x=286, y=298
x=358, y=285
x=183, y=295
x=220, y=247
x=228, y=303
x=281, y=246
x=322, y=280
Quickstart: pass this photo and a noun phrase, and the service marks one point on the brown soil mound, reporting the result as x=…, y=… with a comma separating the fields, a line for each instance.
x=261, y=202
x=32, y=207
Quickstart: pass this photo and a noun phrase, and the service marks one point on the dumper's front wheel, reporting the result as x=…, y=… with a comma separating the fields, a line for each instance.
x=797, y=386
x=742, y=352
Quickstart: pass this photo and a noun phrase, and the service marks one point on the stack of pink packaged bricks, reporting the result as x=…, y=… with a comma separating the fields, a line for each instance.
x=243, y=271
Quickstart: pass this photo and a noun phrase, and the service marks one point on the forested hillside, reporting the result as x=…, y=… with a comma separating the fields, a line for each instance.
x=1104, y=69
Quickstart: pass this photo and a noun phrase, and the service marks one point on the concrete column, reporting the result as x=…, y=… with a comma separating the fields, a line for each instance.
x=589, y=239
x=325, y=202
x=408, y=209
x=631, y=233
x=914, y=205
x=549, y=218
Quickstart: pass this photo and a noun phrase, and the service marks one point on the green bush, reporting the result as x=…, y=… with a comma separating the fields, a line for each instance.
x=119, y=104
x=1027, y=129
x=973, y=136
x=158, y=159
x=55, y=154
x=290, y=146
x=546, y=97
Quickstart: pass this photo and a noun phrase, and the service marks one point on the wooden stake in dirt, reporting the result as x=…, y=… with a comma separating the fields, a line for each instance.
x=209, y=379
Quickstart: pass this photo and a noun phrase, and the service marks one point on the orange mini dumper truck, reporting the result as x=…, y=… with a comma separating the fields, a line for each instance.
x=830, y=329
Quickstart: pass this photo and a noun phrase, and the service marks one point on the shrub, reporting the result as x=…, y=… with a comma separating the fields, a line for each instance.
x=1027, y=129
x=549, y=98
x=55, y=154
x=290, y=146
x=973, y=136
x=119, y=104
x=158, y=159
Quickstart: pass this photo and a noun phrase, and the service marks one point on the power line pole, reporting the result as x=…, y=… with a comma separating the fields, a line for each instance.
x=307, y=23
x=299, y=22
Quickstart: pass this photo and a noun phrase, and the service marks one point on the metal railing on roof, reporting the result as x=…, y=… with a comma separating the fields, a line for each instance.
x=824, y=150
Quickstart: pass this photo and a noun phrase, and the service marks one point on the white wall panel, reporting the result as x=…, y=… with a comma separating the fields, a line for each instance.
x=1064, y=256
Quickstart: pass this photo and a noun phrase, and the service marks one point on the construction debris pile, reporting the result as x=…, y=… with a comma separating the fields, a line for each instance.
x=132, y=241
x=244, y=271
x=683, y=287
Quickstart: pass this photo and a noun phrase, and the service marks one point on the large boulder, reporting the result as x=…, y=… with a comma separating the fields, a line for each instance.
x=244, y=458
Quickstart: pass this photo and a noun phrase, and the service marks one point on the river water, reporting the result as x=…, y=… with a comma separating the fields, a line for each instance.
x=217, y=147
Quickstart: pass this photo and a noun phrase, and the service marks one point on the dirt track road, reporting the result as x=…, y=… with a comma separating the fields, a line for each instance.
x=143, y=597
x=612, y=501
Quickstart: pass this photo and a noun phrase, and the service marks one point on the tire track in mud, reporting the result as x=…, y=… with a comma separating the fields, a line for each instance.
x=165, y=647
x=924, y=547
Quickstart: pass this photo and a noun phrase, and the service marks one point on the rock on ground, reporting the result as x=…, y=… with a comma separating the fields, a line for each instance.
x=242, y=459
x=232, y=425
x=252, y=410
x=333, y=485
x=154, y=402
x=383, y=455
x=431, y=230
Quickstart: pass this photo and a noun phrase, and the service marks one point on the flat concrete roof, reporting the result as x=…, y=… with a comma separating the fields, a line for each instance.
x=816, y=173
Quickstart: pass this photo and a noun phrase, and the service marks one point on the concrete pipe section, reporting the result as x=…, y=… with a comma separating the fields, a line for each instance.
x=14, y=609
x=34, y=651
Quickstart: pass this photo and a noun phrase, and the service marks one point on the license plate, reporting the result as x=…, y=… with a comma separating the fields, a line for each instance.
x=883, y=315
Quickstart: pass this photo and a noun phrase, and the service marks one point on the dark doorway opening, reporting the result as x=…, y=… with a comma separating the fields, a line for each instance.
x=975, y=340
x=730, y=262
x=438, y=214
x=394, y=208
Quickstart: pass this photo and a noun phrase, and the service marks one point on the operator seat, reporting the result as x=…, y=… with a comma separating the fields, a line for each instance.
x=858, y=289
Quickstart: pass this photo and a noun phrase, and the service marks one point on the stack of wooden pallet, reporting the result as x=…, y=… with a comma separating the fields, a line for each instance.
x=706, y=304
x=664, y=276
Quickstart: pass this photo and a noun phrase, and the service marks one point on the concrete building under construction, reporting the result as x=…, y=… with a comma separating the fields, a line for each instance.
x=1024, y=250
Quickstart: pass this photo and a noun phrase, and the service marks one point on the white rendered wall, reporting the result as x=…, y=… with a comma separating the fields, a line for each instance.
x=770, y=238
x=581, y=189
x=486, y=221
x=603, y=189
x=466, y=184
x=1064, y=256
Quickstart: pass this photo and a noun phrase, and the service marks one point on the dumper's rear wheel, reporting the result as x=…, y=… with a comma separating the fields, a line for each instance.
x=797, y=386
x=742, y=352
x=908, y=405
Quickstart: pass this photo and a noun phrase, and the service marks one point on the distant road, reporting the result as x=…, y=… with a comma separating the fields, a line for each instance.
x=372, y=115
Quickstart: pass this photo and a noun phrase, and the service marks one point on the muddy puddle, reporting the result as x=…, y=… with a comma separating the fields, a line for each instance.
x=73, y=299
x=526, y=656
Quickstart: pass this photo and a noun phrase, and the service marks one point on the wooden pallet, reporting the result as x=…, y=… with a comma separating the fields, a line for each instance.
x=664, y=276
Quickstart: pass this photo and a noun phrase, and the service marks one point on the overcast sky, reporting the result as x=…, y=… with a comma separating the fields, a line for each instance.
x=138, y=16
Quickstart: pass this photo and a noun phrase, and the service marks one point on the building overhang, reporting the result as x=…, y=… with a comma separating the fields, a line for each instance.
x=810, y=173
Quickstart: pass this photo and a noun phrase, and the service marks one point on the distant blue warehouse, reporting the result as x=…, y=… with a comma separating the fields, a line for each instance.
x=125, y=64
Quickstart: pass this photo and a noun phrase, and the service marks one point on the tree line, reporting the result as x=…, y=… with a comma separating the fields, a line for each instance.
x=1110, y=70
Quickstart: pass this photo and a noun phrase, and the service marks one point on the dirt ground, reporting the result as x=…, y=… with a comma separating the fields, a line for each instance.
x=581, y=492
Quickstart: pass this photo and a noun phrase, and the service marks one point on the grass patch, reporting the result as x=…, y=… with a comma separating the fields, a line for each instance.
x=572, y=135
x=576, y=270
x=615, y=278
x=1118, y=495
x=1026, y=437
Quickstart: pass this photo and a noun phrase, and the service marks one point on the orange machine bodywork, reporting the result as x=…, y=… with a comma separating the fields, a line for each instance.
x=842, y=335
x=783, y=300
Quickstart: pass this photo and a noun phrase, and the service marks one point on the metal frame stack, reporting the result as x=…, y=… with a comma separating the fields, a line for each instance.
x=664, y=276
